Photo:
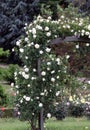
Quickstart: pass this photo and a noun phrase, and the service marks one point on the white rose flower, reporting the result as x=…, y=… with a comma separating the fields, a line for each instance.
x=33, y=78
x=49, y=115
x=21, y=50
x=46, y=28
x=28, y=85
x=26, y=76
x=87, y=33
x=48, y=34
x=33, y=31
x=24, y=96
x=13, y=50
x=88, y=27
x=42, y=94
x=27, y=98
x=53, y=79
x=48, y=63
x=52, y=72
x=87, y=44
x=57, y=93
x=26, y=57
x=34, y=36
x=21, y=101
x=16, y=86
x=40, y=105
x=43, y=79
x=37, y=46
x=62, y=17
x=18, y=43
x=26, y=39
x=26, y=69
x=48, y=49
x=34, y=70
x=67, y=56
x=43, y=73
x=41, y=52
x=88, y=82
x=77, y=46
x=12, y=84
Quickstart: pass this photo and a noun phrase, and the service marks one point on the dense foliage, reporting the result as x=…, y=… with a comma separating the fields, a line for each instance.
x=43, y=75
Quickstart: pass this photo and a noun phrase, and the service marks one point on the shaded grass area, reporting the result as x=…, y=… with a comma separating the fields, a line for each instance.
x=51, y=124
x=69, y=124
x=13, y=124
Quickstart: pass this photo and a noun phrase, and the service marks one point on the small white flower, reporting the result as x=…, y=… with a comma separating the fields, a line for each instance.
x=37, y=97
x=32, y=43
x=21, y=101
x=34, y=70
x=12, y=84
x=49, y=115
x=77, y=46
x=87, y=44
x=34, y=36
x=52, y=72
x=19, y=113
x=43, y=73
x=16, y=86
x=88, y=27
x=43, y=79
x=21, y=50
x=62, y=17
x=46, y=28
x=48, y=68
x=58, y=77
x=26, y=69
x=28, y=85
x=88, y=82
x=26, y=57
x=27, y=98
x=33, y=31
x=67, y=56
x=18, y=43
x=53, y=79
x=42, y=94
x=40, y=105
x=13, y=50
x=87, y=33
x=26, y=76
x=48, y=49
x=48, y=34
x=57, y=93
x=41, y=52
x=48, y=63
x=26, y=39
x=33, y=78
x=24, y=96
x=37, y=46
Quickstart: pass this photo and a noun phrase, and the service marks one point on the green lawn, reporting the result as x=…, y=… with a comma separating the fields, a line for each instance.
x=51, y=124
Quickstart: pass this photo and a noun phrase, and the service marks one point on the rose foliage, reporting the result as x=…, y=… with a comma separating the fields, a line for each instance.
x=38, y=82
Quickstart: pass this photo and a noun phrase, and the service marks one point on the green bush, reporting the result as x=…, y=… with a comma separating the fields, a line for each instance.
x=3, y=54
x=60, y=111
x=8, y=74
x=6, y=112
x=3, y=97
x=76, y=110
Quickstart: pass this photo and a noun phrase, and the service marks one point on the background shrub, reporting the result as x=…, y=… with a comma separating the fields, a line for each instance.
x=60, y=111
x=8, y=74
x=3, y=97
x=76, y=110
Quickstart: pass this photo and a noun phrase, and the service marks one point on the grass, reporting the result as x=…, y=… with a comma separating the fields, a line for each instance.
x=12, y=124
x=51, y=124
x=69, y=124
